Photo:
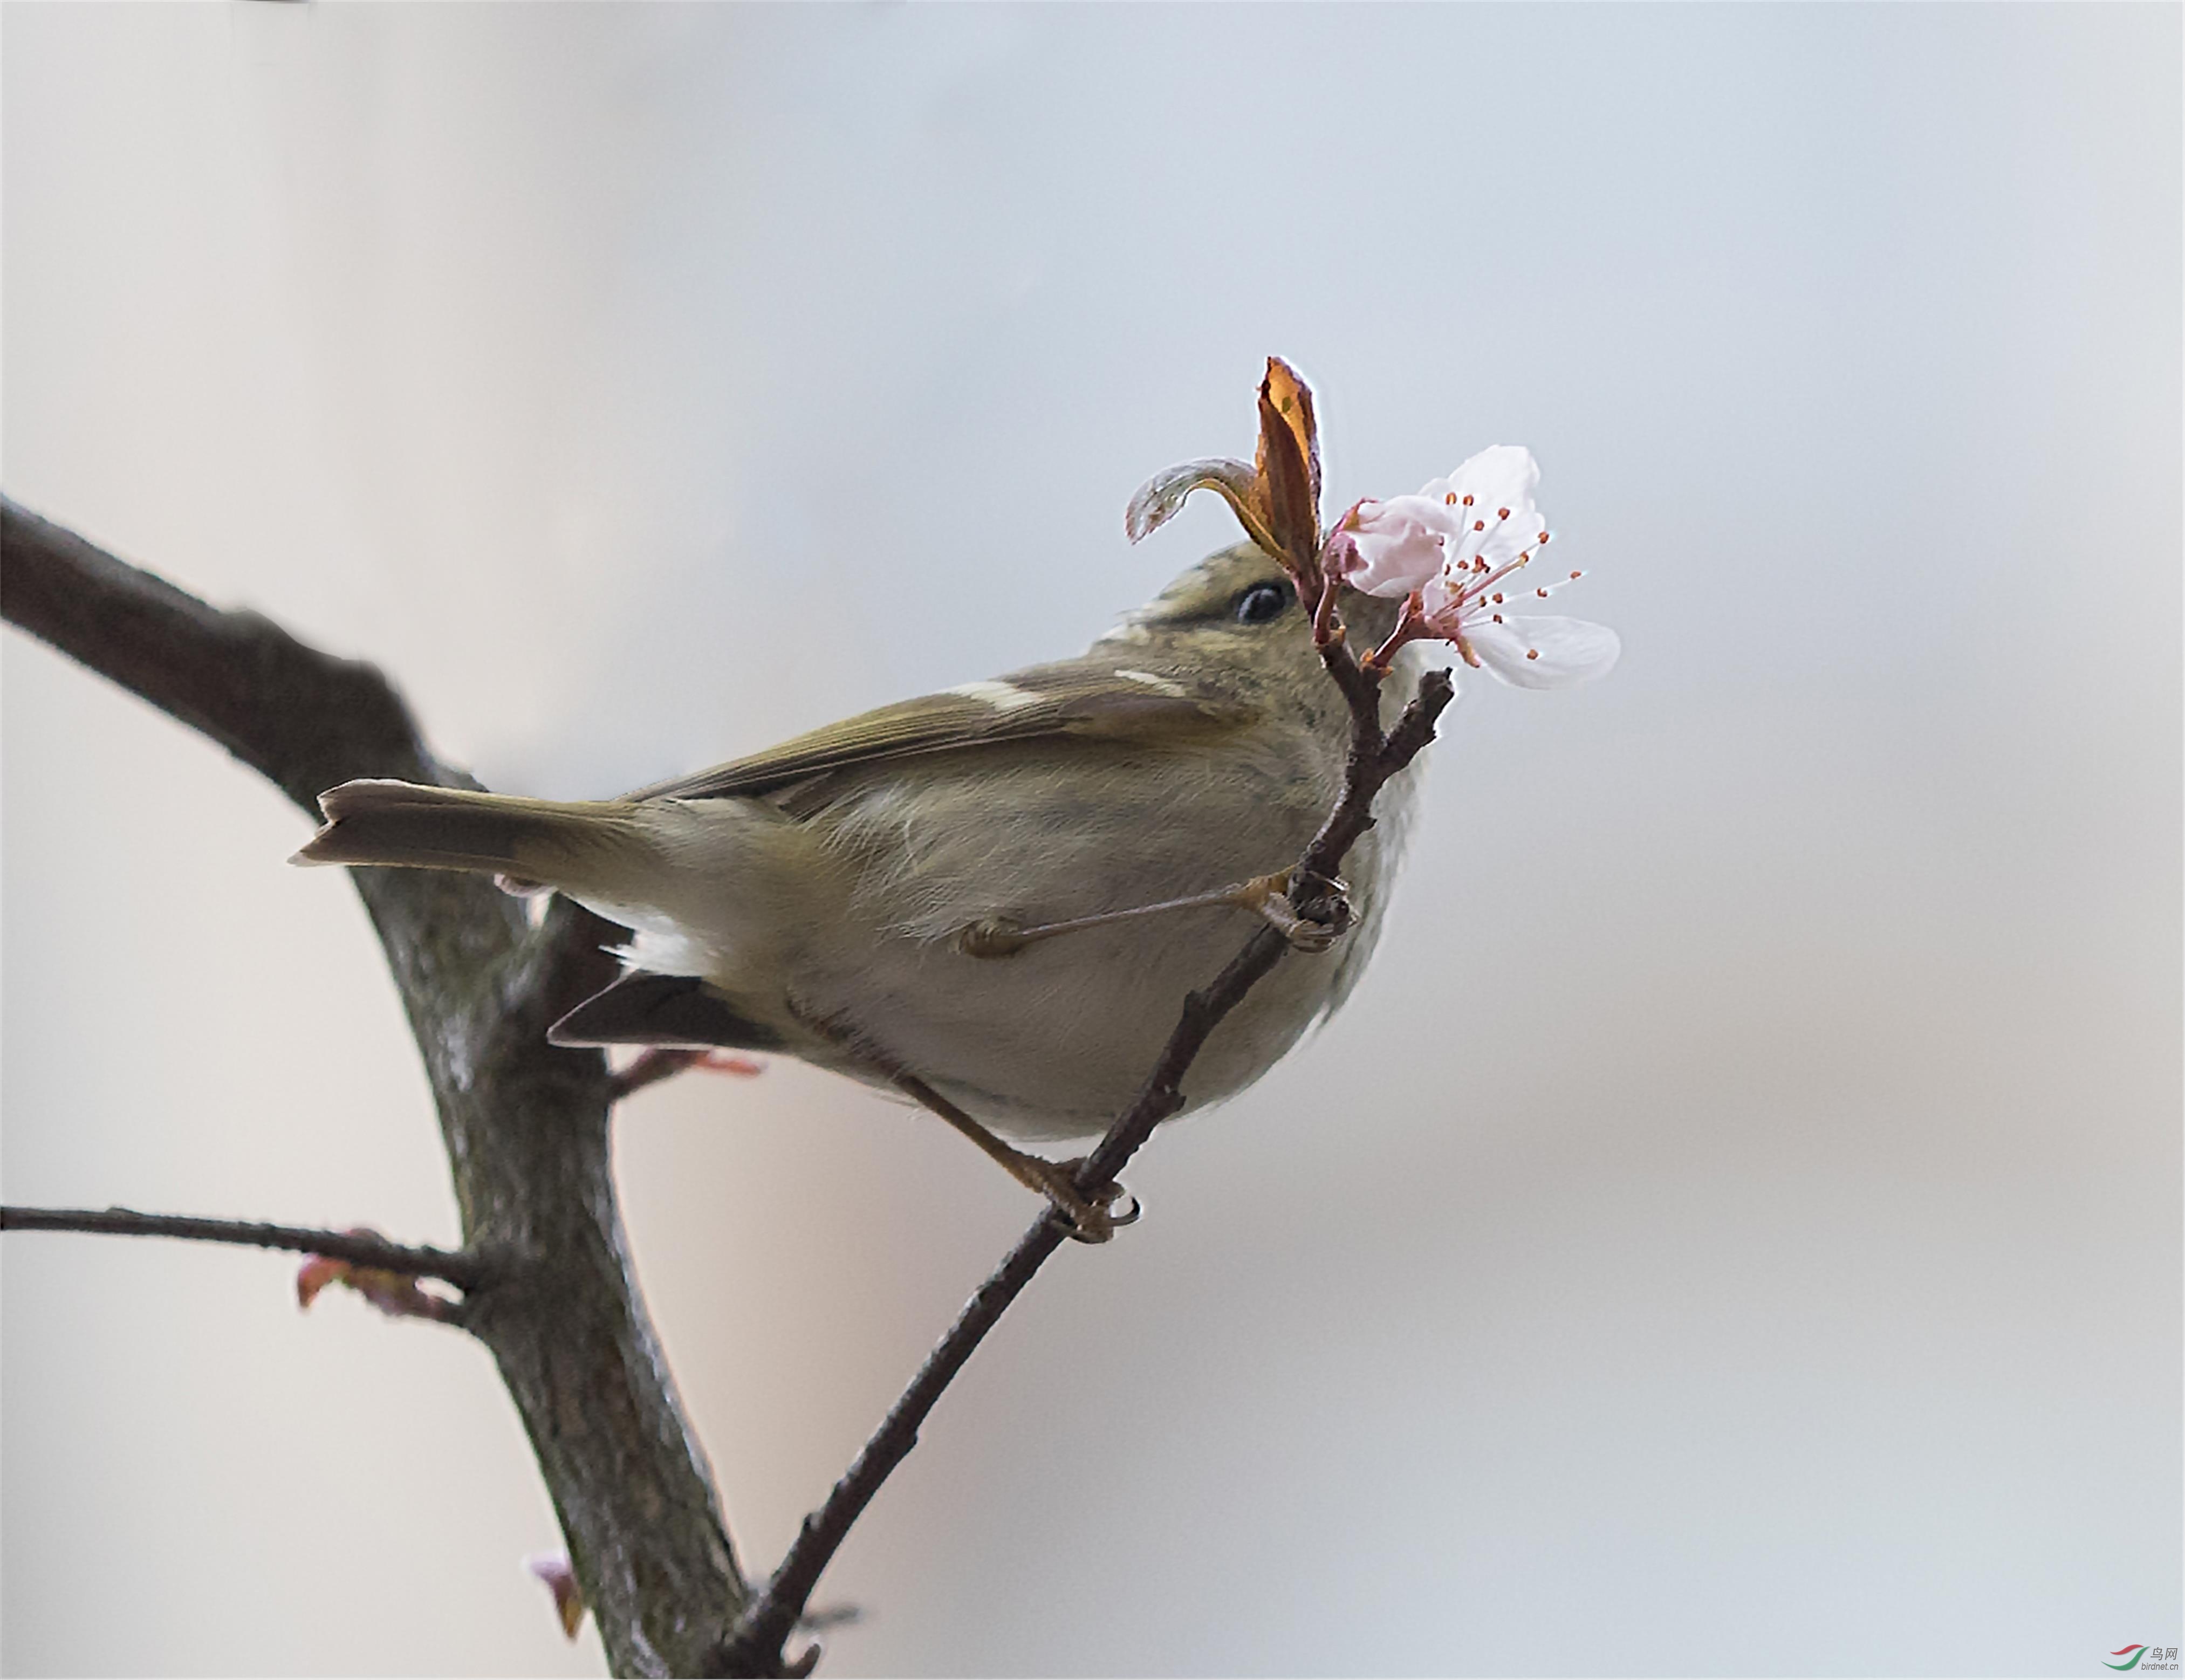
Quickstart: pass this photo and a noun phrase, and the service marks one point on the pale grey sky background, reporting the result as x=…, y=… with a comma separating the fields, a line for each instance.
x=1736, y=1227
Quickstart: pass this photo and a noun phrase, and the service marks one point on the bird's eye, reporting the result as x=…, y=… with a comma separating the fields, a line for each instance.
x=1262, y=602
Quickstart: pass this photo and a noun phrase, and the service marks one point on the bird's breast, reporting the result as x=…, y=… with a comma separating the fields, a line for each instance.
x=1053, y=1040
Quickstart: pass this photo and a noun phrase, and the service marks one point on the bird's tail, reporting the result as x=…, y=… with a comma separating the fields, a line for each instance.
x=531, y=841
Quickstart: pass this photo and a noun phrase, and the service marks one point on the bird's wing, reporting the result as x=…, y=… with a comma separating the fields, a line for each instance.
x=1094, y=699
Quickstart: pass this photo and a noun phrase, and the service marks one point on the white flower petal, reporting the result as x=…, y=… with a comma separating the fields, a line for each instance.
x=1504, y=475
x=1399, y=544
x=1543, y=653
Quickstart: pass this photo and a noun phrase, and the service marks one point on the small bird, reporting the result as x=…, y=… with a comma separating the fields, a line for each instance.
x=993, y=899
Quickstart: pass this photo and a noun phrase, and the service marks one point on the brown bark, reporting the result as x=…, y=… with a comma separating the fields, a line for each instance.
x=525, y=1124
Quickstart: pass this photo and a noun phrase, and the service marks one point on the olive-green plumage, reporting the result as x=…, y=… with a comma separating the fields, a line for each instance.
x=810, y=899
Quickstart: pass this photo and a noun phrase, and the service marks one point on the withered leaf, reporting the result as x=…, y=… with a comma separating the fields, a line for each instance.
x=1161, y=496
x=1293, y=400
x=1288, y=459
x=1277, y=498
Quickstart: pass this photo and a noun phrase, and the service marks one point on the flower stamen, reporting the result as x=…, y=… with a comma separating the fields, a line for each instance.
x=1448, y=552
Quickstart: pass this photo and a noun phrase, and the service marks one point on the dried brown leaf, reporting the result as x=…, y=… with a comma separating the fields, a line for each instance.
x=1288, y=459
x=1293, y=400
x=1161, y=496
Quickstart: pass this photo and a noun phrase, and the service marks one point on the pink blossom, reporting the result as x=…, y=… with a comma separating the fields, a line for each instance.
x=1483, y=510
x=1397, y=545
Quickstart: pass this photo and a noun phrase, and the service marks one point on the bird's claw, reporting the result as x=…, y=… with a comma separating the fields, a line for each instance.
x=1271, y=895
x=1089, y=1219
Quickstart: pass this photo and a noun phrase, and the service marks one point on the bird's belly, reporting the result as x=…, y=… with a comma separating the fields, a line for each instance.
x=1054, y=1042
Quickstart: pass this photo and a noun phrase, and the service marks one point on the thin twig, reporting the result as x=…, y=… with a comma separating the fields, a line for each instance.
x=467, y=1271
x=757, y=1646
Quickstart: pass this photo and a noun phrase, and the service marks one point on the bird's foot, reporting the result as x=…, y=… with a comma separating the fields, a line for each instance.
x=1090, y=1219
x=1269, y=896
x=992, y=936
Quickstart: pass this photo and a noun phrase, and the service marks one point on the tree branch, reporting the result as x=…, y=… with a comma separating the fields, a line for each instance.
x=301, y=718
x=525, y=1124
x=466, y=1272
x=547, y=1279
x=755, y=1648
